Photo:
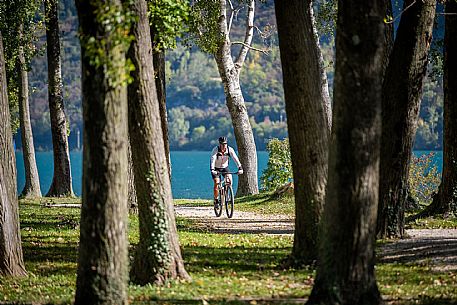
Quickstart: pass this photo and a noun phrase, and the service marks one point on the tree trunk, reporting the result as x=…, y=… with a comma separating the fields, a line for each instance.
x=159, y=69
x=11, y=259
x=61, y=182
x=307, y=106
x=132, y=202
x=102, y=264
x=158, y=255
x=229, y=72
x=32, y=180
x=345, y=274
x=446, y=200
x=402, y=89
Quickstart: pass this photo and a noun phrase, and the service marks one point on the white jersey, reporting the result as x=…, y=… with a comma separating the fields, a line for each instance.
x=221, y=160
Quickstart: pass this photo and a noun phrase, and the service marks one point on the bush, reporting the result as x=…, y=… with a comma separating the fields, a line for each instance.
x=279, y=167
x=424, y=178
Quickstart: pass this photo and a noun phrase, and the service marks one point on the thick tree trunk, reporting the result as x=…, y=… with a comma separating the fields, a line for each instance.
x=158, y=255
x=345, y=274
x=32, y=180
x=307, y=106
x=402, y=89
x=446, y=200
x=11, y=259
x=61, y=182
x=229, y=72
x=103, y=262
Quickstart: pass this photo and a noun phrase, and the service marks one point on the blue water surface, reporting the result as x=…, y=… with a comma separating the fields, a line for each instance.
x=190, y=177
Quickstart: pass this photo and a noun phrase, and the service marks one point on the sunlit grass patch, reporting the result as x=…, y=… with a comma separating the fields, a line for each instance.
x=263, y=203
x=436, y=222
x=411, y=283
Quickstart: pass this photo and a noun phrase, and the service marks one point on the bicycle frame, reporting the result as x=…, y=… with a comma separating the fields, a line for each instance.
x=224, y=187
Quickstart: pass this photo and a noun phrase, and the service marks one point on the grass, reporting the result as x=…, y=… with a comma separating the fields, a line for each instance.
x=225, y=269
x=449, y=222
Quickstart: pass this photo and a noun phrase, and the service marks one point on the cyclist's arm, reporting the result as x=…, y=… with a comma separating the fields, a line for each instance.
x=235, y=157
x=212, y=162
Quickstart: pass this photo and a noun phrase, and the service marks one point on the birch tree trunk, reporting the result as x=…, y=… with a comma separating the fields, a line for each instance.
x=229, y=72
x=345, y=273
x=157, y=255
x=402, y=90
x=32, y=181
x=103, y=251
x=61, y=181
x=308, y=107
x=11, y=259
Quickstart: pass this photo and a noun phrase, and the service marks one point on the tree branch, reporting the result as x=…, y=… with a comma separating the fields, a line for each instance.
x=250, y=47
x=246, y=45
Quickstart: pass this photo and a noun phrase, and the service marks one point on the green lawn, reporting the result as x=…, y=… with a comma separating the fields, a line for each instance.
x=226, y=269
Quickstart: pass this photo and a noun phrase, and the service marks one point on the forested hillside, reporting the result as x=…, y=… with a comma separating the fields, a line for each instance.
x=195, y=97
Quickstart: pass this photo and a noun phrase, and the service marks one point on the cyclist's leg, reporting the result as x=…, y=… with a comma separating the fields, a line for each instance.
x=215, y=188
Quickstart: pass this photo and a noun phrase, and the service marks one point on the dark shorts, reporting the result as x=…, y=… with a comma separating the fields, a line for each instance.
x=221, y=170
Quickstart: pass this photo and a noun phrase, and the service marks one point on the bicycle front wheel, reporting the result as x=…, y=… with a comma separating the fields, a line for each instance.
x=229, y=202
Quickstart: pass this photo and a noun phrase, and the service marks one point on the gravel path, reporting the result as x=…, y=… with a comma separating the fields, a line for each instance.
x=437, y=247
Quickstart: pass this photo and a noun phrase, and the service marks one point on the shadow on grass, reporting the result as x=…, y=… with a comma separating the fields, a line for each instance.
x=258, y=301
x=234, y=259
x=423, y=301
x=237, y=226
x=259, y=198
x=437, y=249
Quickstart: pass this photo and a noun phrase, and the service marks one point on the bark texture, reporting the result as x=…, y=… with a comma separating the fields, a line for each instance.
x=158, y=255
x=401, y=97
x=345, y=274
x=32, y=181
x=159, y=71
x=446, y=200
x=307, y=106
x=132, y=201
x=11, y=259
x=103, y=262
x=229, y=71
x=61, y=181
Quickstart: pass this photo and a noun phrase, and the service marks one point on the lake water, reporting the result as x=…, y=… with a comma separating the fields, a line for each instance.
x=190, y=176
x=190, y=172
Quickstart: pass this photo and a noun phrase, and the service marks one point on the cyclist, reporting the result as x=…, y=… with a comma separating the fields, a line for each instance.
x=219, y=162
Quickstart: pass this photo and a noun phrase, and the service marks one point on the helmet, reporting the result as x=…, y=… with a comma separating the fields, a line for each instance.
x=223, y=140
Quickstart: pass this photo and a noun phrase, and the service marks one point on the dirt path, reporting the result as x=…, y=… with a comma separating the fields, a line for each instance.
x=437, y=247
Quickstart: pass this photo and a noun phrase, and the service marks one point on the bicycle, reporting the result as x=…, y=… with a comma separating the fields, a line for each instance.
x=225, y=195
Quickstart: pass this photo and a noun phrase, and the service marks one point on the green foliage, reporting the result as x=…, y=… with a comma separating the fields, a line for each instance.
x=326, y=13
x=13, y=99
x=169, y=20
x=178, y=126
x=116, y=22
x=424, y=178
x=204, y=25
x=13, y=14
x=279, y=167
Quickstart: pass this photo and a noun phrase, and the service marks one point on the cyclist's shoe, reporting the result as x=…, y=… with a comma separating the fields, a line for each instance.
x=216, y=202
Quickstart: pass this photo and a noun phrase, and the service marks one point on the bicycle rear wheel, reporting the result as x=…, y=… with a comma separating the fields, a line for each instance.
x=218, y=206
x=229, y=202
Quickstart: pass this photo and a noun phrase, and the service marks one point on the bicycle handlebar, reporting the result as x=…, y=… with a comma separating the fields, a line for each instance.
x=225, y=173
